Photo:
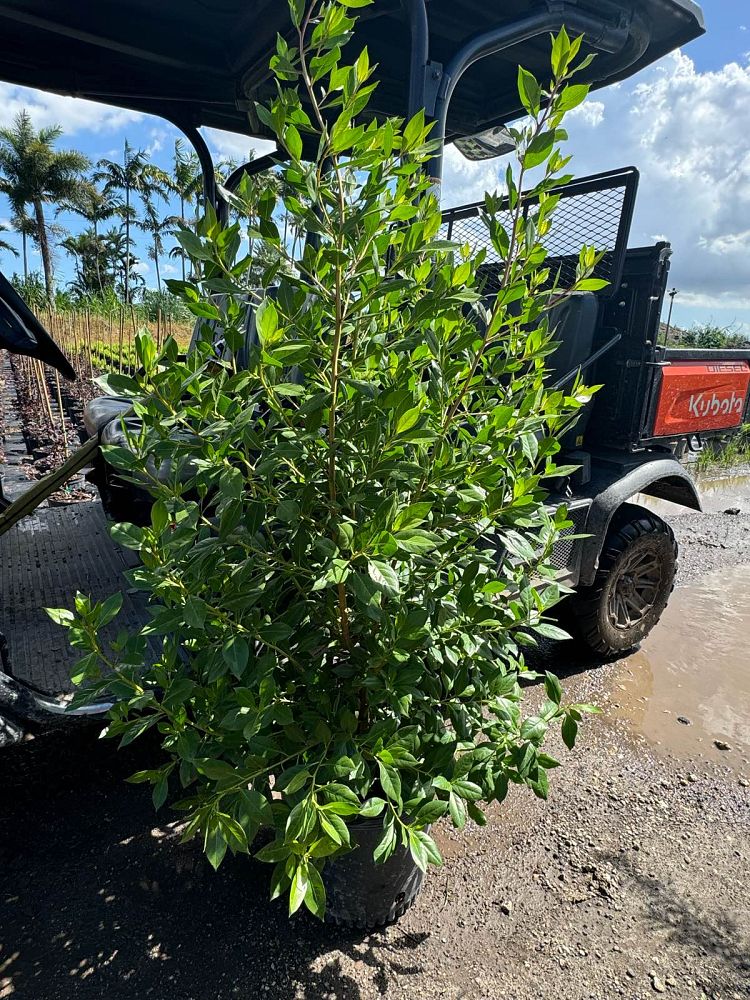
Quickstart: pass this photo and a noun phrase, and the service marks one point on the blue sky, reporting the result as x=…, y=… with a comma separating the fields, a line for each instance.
x=684, y=122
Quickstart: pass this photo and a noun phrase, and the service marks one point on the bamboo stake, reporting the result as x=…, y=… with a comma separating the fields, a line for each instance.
x=90, y=346
x=62, y=413
x=122, y=335
x=44, y=393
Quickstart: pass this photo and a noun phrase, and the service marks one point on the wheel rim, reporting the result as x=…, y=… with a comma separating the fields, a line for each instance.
x=635, y=589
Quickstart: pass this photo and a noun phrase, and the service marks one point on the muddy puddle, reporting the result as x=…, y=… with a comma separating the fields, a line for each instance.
x=718, y=493
x=689, y=684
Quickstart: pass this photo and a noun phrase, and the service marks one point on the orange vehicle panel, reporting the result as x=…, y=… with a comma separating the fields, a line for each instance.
x=698, y=396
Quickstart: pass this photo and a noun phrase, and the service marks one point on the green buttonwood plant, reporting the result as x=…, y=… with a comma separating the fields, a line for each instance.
x=349, y=545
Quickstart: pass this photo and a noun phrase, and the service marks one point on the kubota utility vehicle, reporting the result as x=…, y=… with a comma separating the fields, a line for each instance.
x=199, y=64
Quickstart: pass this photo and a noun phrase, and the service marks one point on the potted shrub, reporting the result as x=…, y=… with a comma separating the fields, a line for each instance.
x=349, y=548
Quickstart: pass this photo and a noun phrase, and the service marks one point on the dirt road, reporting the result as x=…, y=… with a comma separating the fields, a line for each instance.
x=630, y=882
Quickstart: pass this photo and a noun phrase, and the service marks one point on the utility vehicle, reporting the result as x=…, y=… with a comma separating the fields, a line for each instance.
x=201, y=65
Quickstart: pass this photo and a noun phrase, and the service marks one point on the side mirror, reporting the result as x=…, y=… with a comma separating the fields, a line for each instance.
x=22, y=333
x=486, y=145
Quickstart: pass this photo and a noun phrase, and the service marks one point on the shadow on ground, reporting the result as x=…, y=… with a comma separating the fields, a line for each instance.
x=97, y=900
x=682, y=922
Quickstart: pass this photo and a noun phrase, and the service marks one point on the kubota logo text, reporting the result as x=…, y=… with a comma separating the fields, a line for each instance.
x=703, y=405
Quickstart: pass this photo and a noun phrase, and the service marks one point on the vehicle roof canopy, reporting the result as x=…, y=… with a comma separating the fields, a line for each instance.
x=205, y=62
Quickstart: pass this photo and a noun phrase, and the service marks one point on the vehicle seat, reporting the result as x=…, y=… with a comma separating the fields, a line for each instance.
x=101, y=413
x=574, y=323
x=103, y=410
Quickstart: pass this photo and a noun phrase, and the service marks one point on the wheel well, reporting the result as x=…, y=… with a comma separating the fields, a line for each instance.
x=664, y=479
x=675, y=489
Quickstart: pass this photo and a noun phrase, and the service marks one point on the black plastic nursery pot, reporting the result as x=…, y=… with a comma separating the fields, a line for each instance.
x=363, y=894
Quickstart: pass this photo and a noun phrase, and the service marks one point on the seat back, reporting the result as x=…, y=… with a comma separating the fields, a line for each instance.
x=213, y=331
x=574, y=323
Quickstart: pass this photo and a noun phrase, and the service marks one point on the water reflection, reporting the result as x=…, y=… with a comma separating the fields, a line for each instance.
x=689, y=684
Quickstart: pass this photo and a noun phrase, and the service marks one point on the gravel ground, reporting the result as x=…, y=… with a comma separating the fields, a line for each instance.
x=630, y=882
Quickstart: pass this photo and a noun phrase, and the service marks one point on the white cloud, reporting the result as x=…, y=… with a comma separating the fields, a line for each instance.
x=723, y=301
x=688, y=132
x=465, y=180
x=73, y=114
x=589, y=113
x=158, y=138
x=142, y=267
x=233, y=146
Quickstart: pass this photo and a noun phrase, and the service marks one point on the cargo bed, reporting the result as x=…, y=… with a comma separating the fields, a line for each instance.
x=44, y=560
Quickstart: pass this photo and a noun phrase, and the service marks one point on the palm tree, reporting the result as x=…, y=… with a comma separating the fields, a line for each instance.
x=33, y=172
x=87, y=249
x=135, y=175
x=156, y=228
x=25, y=226
x=4, y=245
x=187, y=184
x=95, y=205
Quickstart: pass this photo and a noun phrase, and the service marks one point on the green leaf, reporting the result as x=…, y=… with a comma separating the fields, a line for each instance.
x=384, y=577
x=390, y=781
x=236, y=654
x=278, y=851
x=417, y=541
x=216, y=770
x=539, y=150
x=386, y=845
x=572, y=96
x=407, y=420
x=315, y=897
x=128, y=535
x=430, y=847
x=457, y=811
x=293, y=142
x=431, y=812
x=529, y=91
x=560, y=53
x=467, y=789
x=550, y=631
x=61, y=616
x=372, y=807
x=159, y=516
x=553, y=688
x=267, y=322
x=335, y=827
x=534, y=729
x=214, y=845
x=288, y=510
x=159, y=794
x=591, y=284
x=569, y=731
x=295, y=783
x=299, y=887
x=412, y=515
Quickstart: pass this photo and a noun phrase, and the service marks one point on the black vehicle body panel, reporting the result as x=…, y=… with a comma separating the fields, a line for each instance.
x=22, y=333
x=205, y=64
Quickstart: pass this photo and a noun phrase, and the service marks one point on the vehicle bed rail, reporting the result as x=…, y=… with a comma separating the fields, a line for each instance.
x=593, y=211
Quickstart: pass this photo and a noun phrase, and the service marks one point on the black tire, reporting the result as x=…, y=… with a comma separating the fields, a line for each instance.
x=633, y=584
